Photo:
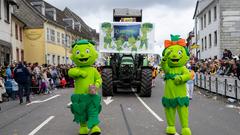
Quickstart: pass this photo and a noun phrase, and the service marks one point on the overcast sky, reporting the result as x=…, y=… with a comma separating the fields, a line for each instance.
x=169, y=16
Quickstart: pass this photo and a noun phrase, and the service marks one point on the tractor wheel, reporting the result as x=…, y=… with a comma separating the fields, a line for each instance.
x=146, y=83
x=107, y=82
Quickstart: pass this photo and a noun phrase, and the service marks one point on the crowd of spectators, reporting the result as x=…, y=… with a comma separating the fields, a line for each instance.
x=228, y=65
x=43, y=78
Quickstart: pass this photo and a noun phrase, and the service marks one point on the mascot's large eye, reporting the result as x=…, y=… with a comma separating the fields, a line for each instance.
x=77, y=52
x=180, y=52
x=87, y=51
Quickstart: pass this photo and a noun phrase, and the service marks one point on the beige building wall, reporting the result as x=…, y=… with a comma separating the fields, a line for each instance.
x=58, y=45
x=34, y=45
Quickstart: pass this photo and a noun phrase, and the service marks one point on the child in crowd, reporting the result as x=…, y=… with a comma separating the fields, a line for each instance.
x=14, y=89
x=63, y=82
x=154, y=75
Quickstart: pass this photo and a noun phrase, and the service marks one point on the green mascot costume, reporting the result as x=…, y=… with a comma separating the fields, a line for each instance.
x=86, y=103
x=175, y=56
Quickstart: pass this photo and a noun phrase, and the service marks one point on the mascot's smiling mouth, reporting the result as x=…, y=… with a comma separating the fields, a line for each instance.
x=174, y=60
x=83, y=59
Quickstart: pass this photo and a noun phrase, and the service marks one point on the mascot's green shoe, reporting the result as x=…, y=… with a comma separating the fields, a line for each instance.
x=186, y=131
x=171, y=130
x=95, y=130
x=83, y=130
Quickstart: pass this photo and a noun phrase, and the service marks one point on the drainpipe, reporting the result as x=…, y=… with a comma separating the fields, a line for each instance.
x=45, y=34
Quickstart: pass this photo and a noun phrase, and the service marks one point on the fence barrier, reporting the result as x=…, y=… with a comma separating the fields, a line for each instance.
x=222, y=85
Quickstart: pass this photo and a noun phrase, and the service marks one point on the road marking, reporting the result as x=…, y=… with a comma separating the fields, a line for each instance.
x=149, y=109
x=41, y=125
x=38, y=101
x=69, y=105
x=108, y=101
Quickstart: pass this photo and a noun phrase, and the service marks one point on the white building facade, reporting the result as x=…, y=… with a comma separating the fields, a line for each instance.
x=217, y=27
x=17, y=27
x=6, y=9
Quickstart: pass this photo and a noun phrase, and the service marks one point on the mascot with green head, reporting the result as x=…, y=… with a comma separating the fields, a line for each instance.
x=86, y=103
x=175, y=57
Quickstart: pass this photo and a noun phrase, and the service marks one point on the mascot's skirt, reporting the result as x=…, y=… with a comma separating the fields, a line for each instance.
x=85, y=108
x=174, y=102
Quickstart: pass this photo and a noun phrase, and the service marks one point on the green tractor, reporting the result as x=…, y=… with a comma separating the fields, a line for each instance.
x=127, y=71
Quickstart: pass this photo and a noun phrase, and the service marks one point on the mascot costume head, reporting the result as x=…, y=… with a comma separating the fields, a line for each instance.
x=175, y=57
x=85, y=99
x=84, y=53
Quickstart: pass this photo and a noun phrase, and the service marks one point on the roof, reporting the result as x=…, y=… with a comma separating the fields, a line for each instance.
x=33, y=18
x=76, y=18
x=85, y=29
x=195, y=12
x=59, y=14
x=27, y=14
x=17, y=18
x=201, y=6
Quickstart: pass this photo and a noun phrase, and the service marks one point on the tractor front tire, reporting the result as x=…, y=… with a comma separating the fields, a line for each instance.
x=146, y=83
x=107, y=82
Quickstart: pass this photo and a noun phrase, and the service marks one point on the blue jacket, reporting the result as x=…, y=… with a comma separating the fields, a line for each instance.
x=8, y=73
x=21, y=74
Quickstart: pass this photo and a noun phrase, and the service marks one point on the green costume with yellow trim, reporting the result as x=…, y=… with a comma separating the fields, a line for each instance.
x=85, y=106
x=175, y=56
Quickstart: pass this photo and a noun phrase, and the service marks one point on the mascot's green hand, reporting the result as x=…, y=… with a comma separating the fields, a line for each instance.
x=77, y=72
x=177, y=79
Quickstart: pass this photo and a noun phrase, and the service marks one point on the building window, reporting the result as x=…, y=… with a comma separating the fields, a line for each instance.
x=215, y=13
x=215, y=38
x=210, y=40
x=205, y=21
x=58, y=60
x=205, y=43
x=16, y=31
x=22, y=55
x=63, y=39
x=67, y=40
x=48, y=34
x=17, y=54
x=63, y=60
x=6, y=10
x=58, y=38
x=202, y=45
x=48, y=59
x=52, y=35
x=53, y=59
x=209, y=17
x=20, y=32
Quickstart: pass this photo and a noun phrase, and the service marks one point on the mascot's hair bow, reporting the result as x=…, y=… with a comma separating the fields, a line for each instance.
x=175, y=40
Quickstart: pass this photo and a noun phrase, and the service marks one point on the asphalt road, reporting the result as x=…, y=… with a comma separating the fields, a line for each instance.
x=127, y=114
